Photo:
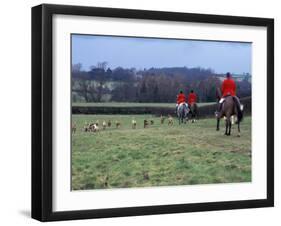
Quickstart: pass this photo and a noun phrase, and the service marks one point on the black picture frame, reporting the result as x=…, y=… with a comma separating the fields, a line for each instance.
x=42, y=111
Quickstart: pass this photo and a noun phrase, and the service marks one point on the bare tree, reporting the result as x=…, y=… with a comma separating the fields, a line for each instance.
x=99, y=74
x=76, y=67
x=84, y=89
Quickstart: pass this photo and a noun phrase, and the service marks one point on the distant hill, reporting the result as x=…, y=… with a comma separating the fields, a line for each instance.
x=153, y=85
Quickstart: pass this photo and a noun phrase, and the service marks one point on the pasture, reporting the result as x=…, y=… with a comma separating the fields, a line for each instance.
x=160, y=155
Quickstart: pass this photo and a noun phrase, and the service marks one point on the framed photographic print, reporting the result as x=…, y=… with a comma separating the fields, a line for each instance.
x=145, y=112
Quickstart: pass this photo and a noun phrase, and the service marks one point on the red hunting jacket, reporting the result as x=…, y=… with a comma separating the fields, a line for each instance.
x=192, y=98
x=181, y=98
x=228, y=87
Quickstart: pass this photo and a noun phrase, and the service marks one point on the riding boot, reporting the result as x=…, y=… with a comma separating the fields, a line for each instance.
x=219, y=107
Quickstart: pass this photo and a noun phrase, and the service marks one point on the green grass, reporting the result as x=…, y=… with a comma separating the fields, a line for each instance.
x=127, y=104
x=158, y=155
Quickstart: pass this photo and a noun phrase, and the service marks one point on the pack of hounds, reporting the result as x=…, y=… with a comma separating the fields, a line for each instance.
x=97, y=126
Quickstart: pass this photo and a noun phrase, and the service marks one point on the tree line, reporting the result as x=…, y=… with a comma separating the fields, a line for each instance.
x=161, y=85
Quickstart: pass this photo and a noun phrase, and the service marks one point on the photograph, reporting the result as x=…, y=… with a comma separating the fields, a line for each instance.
x=152, y=111
x=141, y=112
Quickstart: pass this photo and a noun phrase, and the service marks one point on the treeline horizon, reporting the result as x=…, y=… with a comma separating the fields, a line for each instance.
x=103, y=84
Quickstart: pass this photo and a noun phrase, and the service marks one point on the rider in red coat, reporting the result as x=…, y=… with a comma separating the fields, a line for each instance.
x=228, y=86
x=181, y=98
x=192, y=98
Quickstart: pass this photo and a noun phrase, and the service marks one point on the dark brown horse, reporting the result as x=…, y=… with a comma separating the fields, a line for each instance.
x=228, y=109
x=193, y=112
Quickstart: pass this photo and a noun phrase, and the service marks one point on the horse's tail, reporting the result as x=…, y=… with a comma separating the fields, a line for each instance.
x=183, y=111
x=239, y=111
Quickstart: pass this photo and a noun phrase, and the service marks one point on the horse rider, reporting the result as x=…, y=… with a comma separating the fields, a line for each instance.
x=192, y=98
x=228, y=88
x=181, y=99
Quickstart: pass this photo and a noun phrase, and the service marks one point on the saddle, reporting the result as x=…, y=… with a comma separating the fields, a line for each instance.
x=183, y=103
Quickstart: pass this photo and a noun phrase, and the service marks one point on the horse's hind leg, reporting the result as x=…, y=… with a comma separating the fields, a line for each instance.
x=226, y=128
x=238, y=129
x=218, y=124
x=229, y=127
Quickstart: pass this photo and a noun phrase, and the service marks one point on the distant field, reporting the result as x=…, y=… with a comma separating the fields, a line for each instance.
x=125, y=104
x=158, y=155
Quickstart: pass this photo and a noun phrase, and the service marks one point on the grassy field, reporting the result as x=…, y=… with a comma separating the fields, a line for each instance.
x=125, y=104
x=158, y=155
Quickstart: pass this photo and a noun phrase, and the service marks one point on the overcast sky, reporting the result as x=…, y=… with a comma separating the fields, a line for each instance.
x=222, y=57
